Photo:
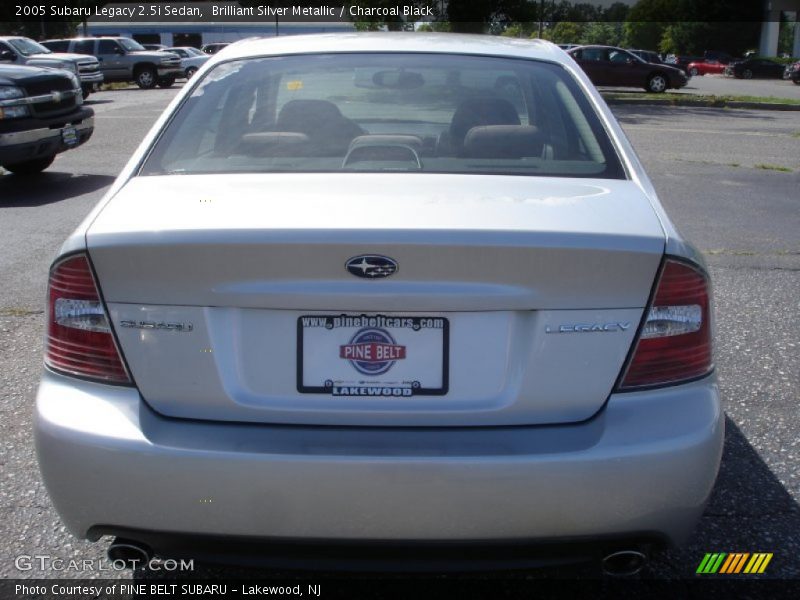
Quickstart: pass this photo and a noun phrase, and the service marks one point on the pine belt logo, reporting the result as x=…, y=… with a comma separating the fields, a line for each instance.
x=734, y=563
x=372, y=351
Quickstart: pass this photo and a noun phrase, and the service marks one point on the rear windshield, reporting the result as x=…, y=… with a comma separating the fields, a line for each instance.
x=386, y=112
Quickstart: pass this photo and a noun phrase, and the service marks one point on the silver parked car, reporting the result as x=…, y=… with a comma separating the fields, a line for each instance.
x=191, y=59
x=378, y=288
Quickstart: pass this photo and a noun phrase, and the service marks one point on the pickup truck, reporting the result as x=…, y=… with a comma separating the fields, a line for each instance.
x=24, y=51
x=41, y=114
x=124, y=59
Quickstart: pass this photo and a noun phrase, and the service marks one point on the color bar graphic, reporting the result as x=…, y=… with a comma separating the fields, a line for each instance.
x=734, y=563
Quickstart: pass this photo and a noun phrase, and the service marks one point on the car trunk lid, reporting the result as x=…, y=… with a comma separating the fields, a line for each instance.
x=223, y=290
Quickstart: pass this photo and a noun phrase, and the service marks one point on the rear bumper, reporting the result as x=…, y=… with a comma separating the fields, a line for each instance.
x=644, y=464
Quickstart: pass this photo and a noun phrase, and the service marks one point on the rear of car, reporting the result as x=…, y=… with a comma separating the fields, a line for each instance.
x=380, y=290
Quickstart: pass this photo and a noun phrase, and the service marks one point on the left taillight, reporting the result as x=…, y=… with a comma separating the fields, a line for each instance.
x=79, y=338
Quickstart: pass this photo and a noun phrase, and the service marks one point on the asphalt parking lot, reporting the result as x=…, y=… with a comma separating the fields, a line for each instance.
x=721, y=85
x=730, y=180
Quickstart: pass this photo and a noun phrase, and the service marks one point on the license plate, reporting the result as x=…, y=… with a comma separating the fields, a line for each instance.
x=372, y=355
x=69, y=135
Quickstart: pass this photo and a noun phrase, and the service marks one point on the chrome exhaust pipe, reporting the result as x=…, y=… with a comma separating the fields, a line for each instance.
x=134, y=554
x=624, y=563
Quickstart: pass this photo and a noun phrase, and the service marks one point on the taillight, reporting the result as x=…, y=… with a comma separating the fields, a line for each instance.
x=674, y=343
x=79, y=339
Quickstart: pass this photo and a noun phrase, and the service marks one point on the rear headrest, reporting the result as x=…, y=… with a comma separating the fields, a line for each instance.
x=503, y=141
x=322, y=122
x=474, y=112
x=299, y=115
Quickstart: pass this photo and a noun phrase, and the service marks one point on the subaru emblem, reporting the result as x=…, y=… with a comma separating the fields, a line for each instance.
x=371, y=266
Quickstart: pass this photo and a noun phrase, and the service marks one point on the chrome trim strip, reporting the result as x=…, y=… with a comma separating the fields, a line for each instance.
x=36, y=135
x=65, y=94
x=91, y=77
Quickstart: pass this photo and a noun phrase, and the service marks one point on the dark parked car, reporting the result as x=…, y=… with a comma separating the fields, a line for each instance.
x=794, y=72
x=607, y=65
x=41, y=114
x=647, y=56
x=757, y=67
x=214, y=48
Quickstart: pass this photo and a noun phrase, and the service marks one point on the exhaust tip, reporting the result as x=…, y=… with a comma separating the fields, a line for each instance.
x=624, y=563
x=134, y=554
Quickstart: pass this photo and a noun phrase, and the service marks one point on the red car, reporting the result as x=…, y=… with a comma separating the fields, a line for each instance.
x=705, y=67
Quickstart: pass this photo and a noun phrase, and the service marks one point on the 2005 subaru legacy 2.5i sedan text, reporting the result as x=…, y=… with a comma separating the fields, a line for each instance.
x=381, y=291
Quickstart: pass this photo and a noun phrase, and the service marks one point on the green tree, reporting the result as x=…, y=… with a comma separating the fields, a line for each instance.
x=566, y=11
x=375, y=25
x=520, y=30
x=693, y=25
x=565, y=32
x=607, y=34
x=647, y=20
x=442, y=26
x=616, y=13
x=685, y=38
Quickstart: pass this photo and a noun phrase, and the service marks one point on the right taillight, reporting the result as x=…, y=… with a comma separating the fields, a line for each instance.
x=674, y=343
x=79, y=338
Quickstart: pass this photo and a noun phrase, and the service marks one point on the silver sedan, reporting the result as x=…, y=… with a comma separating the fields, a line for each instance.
x=397, y=289
x=191, y=59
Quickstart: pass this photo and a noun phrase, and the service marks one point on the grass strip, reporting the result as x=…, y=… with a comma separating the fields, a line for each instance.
x=708, y=100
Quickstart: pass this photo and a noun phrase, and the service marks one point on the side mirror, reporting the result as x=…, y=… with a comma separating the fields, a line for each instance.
x=119, y=51
x=7, y=55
